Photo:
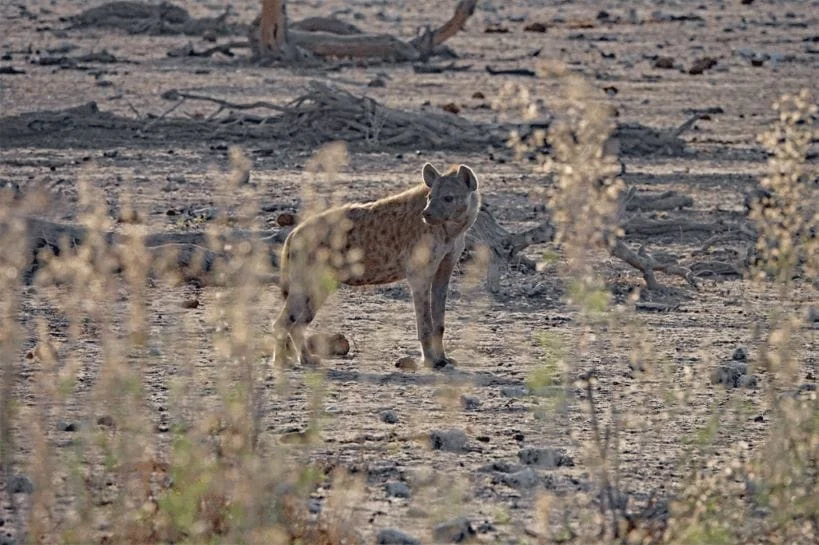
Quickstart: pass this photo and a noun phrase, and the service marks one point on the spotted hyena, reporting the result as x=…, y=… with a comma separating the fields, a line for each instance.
x=418, y=235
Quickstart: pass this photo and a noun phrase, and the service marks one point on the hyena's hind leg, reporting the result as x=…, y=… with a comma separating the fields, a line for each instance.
x=289, y=328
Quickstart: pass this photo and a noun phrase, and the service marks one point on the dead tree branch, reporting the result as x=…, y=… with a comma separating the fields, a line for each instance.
x=270, y=36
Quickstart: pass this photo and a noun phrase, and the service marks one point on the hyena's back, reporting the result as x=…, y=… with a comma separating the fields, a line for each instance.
x=359, y=244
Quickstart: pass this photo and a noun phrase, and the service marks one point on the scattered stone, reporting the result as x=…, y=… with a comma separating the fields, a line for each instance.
x=666, y=63
x=525, y=479
x=456, y=530
x=20, y=484
x=106, y=420
x=328, y=345
x=448, y=440
x=740, y=354
x=285, y=219
x=470, y=403
x=391, y=536
x=451, y=107
x=496, y=29
x=190, y=303
x=397, y=489
x=733, y=375
x=377, y=82
x=499, y=466
x=485, y=527
x=514, y=391
x=389, y=416
x=67, y=426
x=478, y=95
x=314, y=506
x=547, y=457
x=535, y=27
x=813, y=315
x=701, y=65
x=407, y=363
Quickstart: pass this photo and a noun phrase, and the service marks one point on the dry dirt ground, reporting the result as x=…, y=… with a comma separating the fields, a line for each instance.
x=497, y=340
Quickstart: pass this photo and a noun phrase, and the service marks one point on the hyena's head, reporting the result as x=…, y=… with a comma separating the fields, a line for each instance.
x=453, y=197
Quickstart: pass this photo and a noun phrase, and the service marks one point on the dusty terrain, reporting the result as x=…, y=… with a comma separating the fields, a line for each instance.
x=497, y=340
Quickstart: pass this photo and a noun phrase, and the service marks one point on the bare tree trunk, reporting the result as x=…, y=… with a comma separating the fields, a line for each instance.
x=273, y=26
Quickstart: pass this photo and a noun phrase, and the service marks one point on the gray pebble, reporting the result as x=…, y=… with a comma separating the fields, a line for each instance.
x=548, y=458
x=456, y=530
x=470, y=403
x=448, y=440
x=513, y=391
x=67, y=426
x=314, y=505
x=524, y=479
x=391, y=536
x=733, y=374
x=20, y=484
x=397, y=489
x=389, y=416
x=740, y=354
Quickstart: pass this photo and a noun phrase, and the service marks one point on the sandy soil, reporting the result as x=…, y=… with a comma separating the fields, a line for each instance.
x=496, y=339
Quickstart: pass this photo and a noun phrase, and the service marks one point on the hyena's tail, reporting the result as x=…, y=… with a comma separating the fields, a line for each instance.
x=284, y=275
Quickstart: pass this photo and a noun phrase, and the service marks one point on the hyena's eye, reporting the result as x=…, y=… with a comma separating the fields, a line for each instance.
x=449, y=198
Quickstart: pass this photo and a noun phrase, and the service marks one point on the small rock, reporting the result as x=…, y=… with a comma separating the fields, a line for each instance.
x=397, y=489
x=499, y=466
x=813, y=315
x=666, y=63
x=513, y=391
x=285, y=219
x=326, y=345
x=740, y=354
x=733, y=375
x=190, y=303
x=391, y=536
x=748, y=381
x=547, y=458
x=376, y=82
x=67, y=426
x=451, y=107
x=535, y=27
x=524, y=479
x=314, y=506
x=389, y=416
x=448, y=440
x=496, y=29
x=470, y=403
x=407, y=363
x=701, y=65
x=106, y=420
x=478, y=95
x=453, y=531
x=20, y=484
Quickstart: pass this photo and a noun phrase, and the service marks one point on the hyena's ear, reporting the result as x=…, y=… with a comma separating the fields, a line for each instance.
x=468, y=177
x=429, y=174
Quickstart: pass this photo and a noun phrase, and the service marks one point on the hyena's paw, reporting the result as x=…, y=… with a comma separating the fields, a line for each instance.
x=285, y=354
x=443, y=362
x=309, y=360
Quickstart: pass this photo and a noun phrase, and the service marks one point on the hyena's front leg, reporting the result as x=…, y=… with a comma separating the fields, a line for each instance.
x=440, y=288
x=421, y=287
